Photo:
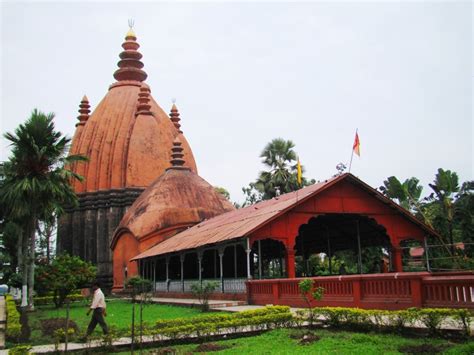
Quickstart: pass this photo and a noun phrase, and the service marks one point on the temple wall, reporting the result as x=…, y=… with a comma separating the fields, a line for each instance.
x=86, y=231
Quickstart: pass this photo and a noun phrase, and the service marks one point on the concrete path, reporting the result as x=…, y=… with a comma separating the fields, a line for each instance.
x=195, y=303
x=3, y=319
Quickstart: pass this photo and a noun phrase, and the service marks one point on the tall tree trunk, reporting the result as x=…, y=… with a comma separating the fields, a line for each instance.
x=31, y=260
x=22, y=256
x=49, y=232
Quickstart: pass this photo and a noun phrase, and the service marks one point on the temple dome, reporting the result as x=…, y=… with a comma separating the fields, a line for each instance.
x=128, y=136
x=176, y=200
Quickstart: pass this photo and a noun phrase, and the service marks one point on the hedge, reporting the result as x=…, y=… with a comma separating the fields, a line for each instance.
x=431, y=318
x=13, y=331
x=44, y=300
x=260, y=319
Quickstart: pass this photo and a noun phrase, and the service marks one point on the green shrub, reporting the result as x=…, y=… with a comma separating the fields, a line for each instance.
x=431, y=318
x=13, y=320
x=265, y=318
x=464, y=318
x=20, y=350
x=202, y=291
x=45, y=300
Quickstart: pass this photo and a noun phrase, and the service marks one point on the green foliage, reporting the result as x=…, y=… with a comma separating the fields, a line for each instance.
x=20, y=350
x=45, y=300
x=306, y=287
x=407, y=193
x=138, y=285
x=37, y=183
x=64, y=275
x=431, y=318
x=223, y=192
x=449, y=209
x=13, y=331
x=202, y=291
x=265, y=318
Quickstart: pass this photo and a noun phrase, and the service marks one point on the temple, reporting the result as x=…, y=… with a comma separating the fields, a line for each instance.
x=144, y=210
x=127, y=139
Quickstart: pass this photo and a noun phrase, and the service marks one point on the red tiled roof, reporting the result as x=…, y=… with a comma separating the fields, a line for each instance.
x=242, y=222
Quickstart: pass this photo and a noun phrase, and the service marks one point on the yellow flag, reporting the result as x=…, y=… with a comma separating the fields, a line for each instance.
x=299, y=173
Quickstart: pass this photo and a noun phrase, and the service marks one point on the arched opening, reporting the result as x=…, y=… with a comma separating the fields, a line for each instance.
x=268, y=259
x=339, y=244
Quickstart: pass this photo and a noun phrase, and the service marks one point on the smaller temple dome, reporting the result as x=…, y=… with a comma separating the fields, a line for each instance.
x=176, y=200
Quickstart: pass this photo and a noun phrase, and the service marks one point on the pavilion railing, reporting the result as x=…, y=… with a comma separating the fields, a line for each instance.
x=228, y=285
x=383, y=291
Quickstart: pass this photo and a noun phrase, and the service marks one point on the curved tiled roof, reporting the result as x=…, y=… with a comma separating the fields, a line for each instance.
x=125, y=149
x=178, y=198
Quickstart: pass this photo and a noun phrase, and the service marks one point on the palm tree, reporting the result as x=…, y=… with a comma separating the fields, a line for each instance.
x=37, y=184
x=445, y=186
x=407, y=193
x=280, y=159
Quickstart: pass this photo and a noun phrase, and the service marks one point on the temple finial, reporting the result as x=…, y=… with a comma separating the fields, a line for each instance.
x=84, y=110
x=143, y=105
x=177, y=161
x=130, y=66
x=131, y=32
x=174, y=116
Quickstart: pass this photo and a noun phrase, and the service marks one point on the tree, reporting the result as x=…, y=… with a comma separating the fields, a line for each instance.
x=407, y=193
x=65, y=274
x=37, y=184
x=445, y=185
x=280, y=176
x=223, y=192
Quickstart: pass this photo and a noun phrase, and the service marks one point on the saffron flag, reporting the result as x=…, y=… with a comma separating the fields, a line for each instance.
x=356, y=146
x=299, y=172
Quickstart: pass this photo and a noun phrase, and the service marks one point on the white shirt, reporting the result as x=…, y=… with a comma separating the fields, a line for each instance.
x=98, y=301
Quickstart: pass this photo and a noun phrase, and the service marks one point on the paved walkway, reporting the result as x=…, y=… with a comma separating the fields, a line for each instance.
x=194, y=302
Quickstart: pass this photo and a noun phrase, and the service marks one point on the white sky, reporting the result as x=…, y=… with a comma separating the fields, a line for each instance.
x=244, y=73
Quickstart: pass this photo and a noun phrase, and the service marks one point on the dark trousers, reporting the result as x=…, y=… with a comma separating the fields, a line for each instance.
x=97, y=317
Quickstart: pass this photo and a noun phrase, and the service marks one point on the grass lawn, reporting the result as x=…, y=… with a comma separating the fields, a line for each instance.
x=119, y=315
x=287, y=341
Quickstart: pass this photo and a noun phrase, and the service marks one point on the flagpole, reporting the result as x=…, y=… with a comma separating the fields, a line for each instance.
x=352, y=155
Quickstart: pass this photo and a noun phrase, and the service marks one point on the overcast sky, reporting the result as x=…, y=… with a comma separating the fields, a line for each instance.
x=245, y=73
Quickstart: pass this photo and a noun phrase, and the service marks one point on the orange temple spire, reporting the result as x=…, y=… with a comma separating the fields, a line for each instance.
x=174, y=116
x=84, y=110
x=130, y=66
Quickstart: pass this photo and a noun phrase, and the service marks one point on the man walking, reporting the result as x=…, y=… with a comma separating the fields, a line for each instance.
x=98, y=310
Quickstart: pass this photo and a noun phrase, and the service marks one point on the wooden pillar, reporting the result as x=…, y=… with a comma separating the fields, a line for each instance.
x=329, y=251
x=359, y=249
x=290, y=263
x=215, y=263
x=154, y=274
x=427, y=257
x=248, y=250
x=235, y=260
x=167, y=261
x=259, y=259
x=221, y=267
x=181, y=259
x=199, y=255
x=397, y=259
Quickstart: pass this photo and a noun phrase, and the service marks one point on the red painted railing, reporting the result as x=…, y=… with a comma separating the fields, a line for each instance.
x=376, y=291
